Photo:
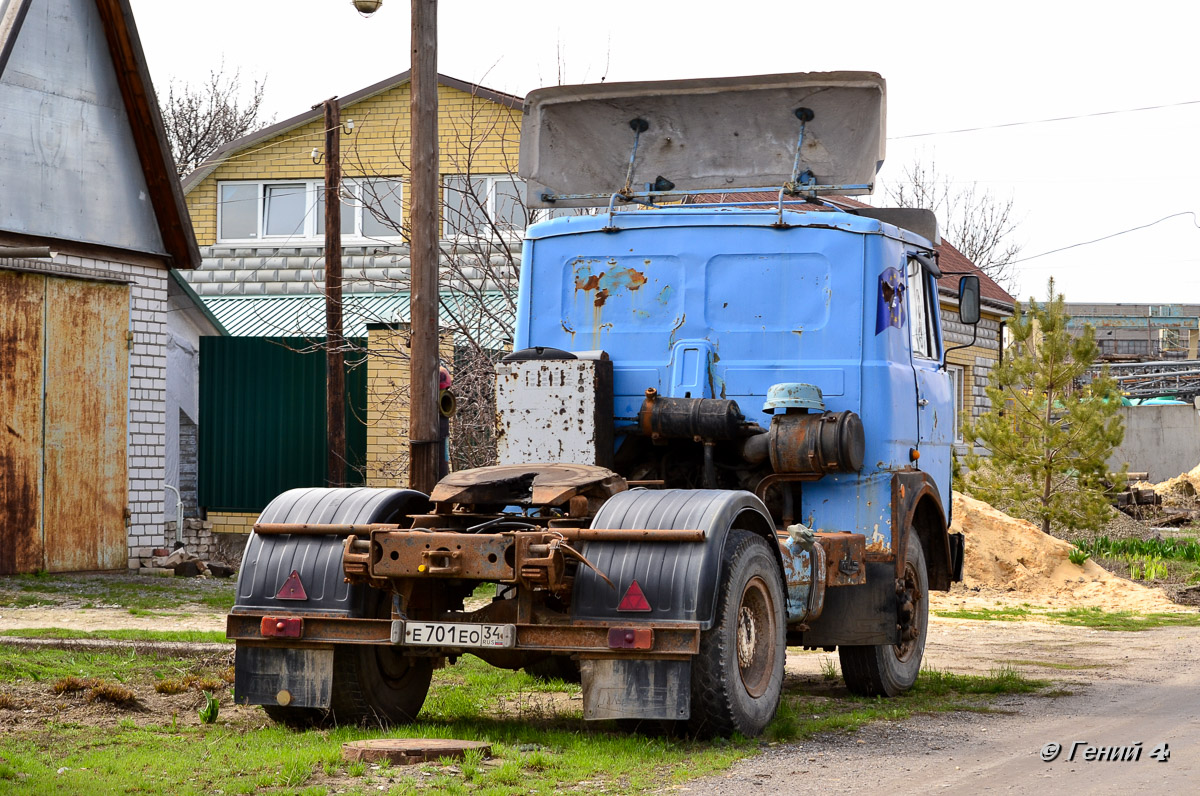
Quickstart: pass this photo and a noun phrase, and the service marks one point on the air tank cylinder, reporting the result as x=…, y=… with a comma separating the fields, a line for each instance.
x=814, y=444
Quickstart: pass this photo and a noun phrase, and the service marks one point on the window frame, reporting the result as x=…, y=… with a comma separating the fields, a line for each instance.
x=352, y=199
x=923, y=286
x=958, y=394
x=532, y=215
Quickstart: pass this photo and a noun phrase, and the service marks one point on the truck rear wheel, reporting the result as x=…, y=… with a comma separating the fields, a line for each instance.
x=377, y=685
x=889, y=670
x=738, y=675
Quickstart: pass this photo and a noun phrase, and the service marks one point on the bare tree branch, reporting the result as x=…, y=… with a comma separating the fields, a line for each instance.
x=199, y=120
x=977, y=223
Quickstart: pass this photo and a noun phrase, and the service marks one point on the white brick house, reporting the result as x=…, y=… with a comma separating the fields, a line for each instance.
x=92, y=220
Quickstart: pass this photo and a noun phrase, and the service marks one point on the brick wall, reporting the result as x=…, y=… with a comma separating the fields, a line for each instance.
x=232, y=521
x=977, y=360
x=189, y=456
x=387, y=402
x=387, y=405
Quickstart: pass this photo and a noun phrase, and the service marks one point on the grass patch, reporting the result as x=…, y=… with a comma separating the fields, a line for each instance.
x=189, y=682
x=1177, y=549
x=1000, y=680
x=71, y=685
x=1121, y=620
x=7, y=701
x=1095, y=618
x=113, y=694
x=206, y=636
x=1010, y=613
x=49, y=665
x=98, y=690
x=116, y=591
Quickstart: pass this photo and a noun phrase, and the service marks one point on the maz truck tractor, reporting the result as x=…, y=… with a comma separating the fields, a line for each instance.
x=725, y=429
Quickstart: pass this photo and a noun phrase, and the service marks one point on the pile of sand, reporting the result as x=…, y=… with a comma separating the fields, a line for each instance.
x=1181, y=490
x=1004, y=554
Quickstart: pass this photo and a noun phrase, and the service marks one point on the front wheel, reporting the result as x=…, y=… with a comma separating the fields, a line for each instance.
x=889, y=670
x=738, y=675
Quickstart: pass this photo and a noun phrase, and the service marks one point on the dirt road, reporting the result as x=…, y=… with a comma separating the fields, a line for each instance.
x=1124, y=688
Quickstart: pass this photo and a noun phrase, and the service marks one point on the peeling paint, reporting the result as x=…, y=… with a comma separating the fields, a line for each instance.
x=678, y=325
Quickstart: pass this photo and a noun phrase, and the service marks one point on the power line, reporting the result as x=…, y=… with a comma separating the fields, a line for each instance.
x=1107, y=237
x=1045, y=121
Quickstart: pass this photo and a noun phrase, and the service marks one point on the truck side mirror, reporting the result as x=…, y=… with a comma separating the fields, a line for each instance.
x=968, y=299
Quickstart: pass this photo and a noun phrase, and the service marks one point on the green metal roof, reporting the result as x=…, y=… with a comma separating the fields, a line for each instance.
x=489, y=314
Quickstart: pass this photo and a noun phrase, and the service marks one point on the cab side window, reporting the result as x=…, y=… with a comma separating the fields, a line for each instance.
x=921, y=322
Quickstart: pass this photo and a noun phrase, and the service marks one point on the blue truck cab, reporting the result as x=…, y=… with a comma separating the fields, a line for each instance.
x=725, y=429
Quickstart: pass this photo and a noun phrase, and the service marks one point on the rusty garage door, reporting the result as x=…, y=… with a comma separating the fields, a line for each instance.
x=63, y=395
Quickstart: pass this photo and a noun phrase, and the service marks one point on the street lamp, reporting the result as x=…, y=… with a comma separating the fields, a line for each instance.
x=366, y=7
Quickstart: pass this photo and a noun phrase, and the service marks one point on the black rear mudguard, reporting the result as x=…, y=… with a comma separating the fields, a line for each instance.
x=269, y=560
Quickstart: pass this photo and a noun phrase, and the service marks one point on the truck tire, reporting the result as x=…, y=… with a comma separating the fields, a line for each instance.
x=374, y=684
x=889, y=670
x=738, y=675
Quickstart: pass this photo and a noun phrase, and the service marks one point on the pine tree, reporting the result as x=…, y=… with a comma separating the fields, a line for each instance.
x=1049, y=430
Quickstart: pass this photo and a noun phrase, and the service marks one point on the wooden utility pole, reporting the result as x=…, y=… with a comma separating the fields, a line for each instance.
x=335, y=373
x=424, y=446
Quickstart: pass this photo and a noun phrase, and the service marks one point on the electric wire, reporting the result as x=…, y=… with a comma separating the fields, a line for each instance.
x=1045, y=121
x=1195, y=223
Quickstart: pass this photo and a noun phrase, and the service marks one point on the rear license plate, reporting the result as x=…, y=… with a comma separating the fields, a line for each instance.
x=453, y=634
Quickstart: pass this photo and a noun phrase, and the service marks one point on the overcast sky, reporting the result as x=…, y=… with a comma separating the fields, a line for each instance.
x=948, y=66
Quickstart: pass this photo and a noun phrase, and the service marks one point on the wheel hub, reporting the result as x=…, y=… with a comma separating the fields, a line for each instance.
x=755, y=637
x=746, y=636
x=910, y=619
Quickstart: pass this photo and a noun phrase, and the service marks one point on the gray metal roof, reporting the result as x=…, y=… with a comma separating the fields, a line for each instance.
x=489, y=317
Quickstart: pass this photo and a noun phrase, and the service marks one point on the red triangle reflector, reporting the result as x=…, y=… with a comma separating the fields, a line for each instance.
x=634, y=599
x=293, y=589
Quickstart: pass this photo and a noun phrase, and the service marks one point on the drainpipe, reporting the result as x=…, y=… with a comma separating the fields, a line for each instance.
x=178, y=514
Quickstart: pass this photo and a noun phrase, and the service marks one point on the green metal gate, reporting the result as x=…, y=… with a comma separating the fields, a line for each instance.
x=262, y=418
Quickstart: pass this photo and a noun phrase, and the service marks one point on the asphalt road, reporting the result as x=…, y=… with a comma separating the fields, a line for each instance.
x=1144, y=687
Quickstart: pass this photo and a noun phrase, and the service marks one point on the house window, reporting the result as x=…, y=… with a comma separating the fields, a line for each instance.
x=290, y=210
x=475, y=204
x=382, y=207
x=957, y=379
x=284, y=208
x=487, y=205
x=921, y=318
x=238, y=210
